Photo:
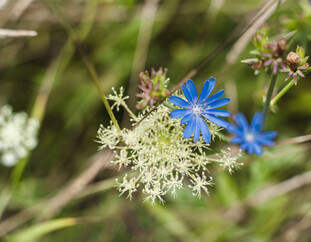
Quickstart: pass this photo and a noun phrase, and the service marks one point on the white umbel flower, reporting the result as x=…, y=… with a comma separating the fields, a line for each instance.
x=156, y=151
x=229, y=160
x=119, y=99
x=160, y=158
x=18, y=135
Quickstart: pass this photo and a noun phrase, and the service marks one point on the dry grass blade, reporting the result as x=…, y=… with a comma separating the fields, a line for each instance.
x=6, y=33
x=238, y=212
x=47, y=208
x=99, y=162
x=267, y=10
x=295, y=140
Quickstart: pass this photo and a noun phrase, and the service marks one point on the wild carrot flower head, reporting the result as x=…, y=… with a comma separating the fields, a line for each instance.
x=153, y=88
x=158, y=155
x=157, y=159
x=196, y=109
x=296, y=62
x=18, y=135
x=251, y=137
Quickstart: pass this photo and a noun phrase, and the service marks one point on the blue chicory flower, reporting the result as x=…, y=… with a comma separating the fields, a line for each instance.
x=251, y=137
x=195, y=108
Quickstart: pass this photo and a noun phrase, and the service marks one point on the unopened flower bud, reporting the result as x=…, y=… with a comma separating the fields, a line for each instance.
x=153, y=88
x=292, y=60
x=282, y=46
x=256, y=65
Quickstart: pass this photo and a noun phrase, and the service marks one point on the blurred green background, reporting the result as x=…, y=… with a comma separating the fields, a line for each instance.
x=121, y=39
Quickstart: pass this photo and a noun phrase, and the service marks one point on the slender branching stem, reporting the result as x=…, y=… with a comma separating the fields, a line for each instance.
x=129, y=111
x=282, y=92
x=87, y=62
x=96, y=81
x=287, y=88
x=268, y=100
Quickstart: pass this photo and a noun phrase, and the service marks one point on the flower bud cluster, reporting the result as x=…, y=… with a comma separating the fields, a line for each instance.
x=267, y=54
x=272, y=54
x=153, y=87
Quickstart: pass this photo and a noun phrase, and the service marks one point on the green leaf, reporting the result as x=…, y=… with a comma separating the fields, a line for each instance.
x=38, y=230
x=246, y=61
x=254, y=52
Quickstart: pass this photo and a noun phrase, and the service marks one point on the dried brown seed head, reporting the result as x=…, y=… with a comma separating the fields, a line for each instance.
x=292, y=60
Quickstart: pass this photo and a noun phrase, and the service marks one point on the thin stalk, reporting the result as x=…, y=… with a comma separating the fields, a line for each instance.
x=268, y=100
x=77, y=43
x=129, y=111
x=287, y=87
x=95, y=78
x=282, y=92
x=38, y=112
x=18, y=171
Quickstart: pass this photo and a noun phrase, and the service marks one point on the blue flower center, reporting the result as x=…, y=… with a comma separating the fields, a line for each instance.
x=249, y=137
x=196, y=110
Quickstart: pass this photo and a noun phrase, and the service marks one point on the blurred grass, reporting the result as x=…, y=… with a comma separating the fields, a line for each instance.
x=183, y=33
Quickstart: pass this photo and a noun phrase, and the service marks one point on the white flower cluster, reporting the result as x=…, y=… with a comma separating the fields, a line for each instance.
x=118, y=99
x=229, y=161
x=18, y=135
x=159, y=156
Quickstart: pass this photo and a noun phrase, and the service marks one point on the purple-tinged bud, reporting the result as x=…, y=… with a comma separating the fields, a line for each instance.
x=153, y=88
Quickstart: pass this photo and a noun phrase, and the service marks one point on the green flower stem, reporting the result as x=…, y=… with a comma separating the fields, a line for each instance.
x=95, y=78
x=167, y=104
x=129, y=111
x=282, y=92
x=18, y=171
x=287, y=87
x=268, y=100
x=77, y=43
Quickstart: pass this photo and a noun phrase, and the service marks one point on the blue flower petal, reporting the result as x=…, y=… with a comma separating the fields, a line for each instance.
x=197, y=130
x=218, y=103
x=215, y=97
x=261, y=139
x=234, y=129
x=270, y=134
x=189, y=128
x=207, y=89
x=216, y=120
x=250, y=148
x=192, y=89
x=257, y=149
x=187, y=118
x=241, y=121
x=178, y=113
x=218, y=112
x=179, y=102
x=237, y=140
x=244, y=146
x=205, y=132
x=256, y=122
x=188, y=95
